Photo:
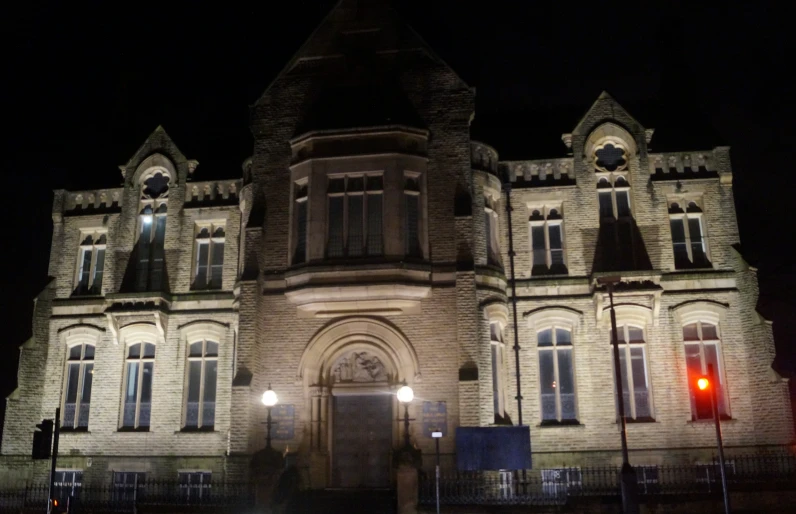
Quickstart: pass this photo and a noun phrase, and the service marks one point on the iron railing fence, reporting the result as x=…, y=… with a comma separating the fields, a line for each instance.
x=555, y=486
x=143, y=497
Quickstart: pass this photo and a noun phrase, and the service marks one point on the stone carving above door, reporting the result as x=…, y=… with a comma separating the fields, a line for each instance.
x=359, y=367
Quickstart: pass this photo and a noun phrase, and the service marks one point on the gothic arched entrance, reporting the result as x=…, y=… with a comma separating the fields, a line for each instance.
x=351, y=370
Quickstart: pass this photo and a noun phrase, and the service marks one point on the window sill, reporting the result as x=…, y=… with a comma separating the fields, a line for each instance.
x=709, y=421
x=133, y=430
x=68, y=430
x=196, y=430
x=560, y=424
x=640, y=420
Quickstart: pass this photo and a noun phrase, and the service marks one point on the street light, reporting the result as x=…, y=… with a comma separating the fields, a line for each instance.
x=405, y=395
x=269, y=400
x=705, y=384
x=627, y=475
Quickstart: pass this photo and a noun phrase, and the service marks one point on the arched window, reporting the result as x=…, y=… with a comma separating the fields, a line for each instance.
x=556, y=375
x=498, y=364
x=635, y=375
x=77, y=397
x=152, y=231
x=138, y=386
x=702, y=350
x=200, y=407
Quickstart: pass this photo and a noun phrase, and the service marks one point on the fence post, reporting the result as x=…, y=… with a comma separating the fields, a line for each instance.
x=135, y=495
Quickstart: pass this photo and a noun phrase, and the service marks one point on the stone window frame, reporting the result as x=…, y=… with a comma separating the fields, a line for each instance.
x=492, y=201
x=497, y=317
x=416, y=177
x=190, y=487
x=300, y=245
x=693, y=210
x=551, y=317
x=193, y=332
x=549, y=214
x=130, y=335
x=623, y=325
x=346, y=194
x=96, y=234
x=72, y=337
x=155, y=208
x=714, y=313
x=553, y=326
x=212, y=226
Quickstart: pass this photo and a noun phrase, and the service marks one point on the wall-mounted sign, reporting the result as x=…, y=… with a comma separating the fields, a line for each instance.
x=435, y=418
x=282, y=417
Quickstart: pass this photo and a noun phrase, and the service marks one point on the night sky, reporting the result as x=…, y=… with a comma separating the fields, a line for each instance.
x=83, y=85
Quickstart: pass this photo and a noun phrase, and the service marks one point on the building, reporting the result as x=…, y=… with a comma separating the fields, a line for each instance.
x=367, y=246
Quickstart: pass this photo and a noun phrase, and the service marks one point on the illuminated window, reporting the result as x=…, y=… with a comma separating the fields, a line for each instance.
x=498, y=363
x=492, y=233
x=91, y=263
x=77, y=390
x=138, y=386
x=152, y=232
x=547, y=241
x=689, y=243
x=556, y=375
x=209, y=256
x=200, y=408
x=702, y=348
x=635, y=375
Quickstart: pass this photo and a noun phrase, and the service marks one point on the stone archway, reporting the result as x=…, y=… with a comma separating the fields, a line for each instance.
x=350, y=370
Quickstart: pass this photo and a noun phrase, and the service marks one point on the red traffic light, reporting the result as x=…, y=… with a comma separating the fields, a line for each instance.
x=703, y=383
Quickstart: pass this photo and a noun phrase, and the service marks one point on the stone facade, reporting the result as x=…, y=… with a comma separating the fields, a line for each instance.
x=367, y=131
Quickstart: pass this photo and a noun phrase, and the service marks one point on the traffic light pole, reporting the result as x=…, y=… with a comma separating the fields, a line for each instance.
x=54, y=461
x=714, y=404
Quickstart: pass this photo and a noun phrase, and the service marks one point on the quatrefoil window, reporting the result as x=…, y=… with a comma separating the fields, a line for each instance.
x=156, y=186
x=610, y=158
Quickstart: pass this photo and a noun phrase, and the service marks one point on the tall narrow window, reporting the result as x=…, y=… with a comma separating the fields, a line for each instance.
x=79, y=375
x=91, y=263
x=200, y=408
x=138, y=386
x=556, y=375
x=616, y=242
x=300, y=207
x=152, y=232
x=498, y=386
x=412, y=246
x=547, y=241
x=491, y=232
x=209, y=255
x=633, y=369
x=702, y=349
x=355, y=216
x=688, y=236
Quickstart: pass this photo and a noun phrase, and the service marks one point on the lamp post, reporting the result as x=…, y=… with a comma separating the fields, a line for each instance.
x=405, y=395
x=709, y=382
x=627, y=476
x=269, y=400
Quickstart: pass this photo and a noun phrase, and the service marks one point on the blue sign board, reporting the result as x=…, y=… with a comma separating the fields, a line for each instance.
x=435, y=418
x=283, y=425
x=483, y=448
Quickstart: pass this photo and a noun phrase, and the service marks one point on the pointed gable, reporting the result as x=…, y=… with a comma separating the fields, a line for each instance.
x=158, y=149
x=359, y=37
x=608, y=116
